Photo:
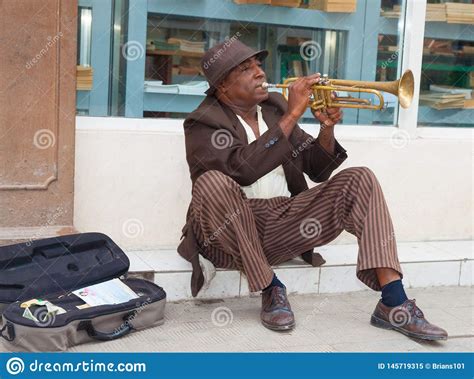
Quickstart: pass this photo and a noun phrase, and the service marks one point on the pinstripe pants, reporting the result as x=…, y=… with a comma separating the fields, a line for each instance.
x=251, y=235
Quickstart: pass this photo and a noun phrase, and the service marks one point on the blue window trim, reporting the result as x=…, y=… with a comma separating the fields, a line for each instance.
x=363, y=27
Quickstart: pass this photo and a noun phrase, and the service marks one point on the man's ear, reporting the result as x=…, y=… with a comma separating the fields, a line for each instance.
x=222, y=87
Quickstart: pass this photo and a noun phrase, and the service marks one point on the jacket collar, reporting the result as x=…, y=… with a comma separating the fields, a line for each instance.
x=269, y=114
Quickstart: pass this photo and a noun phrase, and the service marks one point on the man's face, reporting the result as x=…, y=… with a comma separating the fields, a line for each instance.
x=242, y=86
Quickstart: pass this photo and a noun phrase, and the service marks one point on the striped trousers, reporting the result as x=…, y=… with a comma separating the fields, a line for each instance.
x=251, y=235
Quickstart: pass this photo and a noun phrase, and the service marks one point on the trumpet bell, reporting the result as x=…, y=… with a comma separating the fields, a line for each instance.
x=406, y=87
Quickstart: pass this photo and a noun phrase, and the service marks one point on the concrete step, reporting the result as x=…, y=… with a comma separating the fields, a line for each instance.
x=424, y=264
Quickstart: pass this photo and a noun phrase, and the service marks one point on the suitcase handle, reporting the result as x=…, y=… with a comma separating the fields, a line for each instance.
x=8, y=332
x=123, y=330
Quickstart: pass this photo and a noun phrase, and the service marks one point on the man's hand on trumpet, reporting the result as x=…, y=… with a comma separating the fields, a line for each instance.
x=298, y=94
x=330, y=117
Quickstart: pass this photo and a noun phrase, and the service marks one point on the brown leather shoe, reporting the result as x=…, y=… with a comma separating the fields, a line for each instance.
x=408, y=319
x=276, y=311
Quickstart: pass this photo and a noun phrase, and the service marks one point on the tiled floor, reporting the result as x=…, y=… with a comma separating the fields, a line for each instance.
x=325, y=322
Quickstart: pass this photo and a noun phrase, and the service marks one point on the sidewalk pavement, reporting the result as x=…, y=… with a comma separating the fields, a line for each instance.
x=325, y=323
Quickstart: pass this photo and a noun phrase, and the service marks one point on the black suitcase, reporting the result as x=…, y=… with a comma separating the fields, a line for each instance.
x=50, y=269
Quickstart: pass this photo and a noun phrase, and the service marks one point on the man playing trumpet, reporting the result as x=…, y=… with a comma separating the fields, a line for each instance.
x=251, y=207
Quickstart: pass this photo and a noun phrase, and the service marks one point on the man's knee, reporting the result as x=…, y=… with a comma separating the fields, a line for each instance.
x=361, y=172
x=216, y=180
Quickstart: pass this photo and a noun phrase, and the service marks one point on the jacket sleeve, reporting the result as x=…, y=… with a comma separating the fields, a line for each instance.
x=211, y=148
x=318, y=164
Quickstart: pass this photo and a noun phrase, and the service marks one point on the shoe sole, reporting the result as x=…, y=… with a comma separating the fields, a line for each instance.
x=379, y=323
x=278, y=328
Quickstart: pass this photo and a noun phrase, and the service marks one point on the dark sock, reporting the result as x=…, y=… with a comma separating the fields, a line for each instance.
x=393, y=294
x=275, y=282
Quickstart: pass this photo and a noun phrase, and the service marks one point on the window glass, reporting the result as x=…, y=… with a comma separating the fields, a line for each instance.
x=447, y=78
x=154, y=71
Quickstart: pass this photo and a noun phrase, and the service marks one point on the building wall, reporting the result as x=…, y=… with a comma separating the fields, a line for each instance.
x=132, y=181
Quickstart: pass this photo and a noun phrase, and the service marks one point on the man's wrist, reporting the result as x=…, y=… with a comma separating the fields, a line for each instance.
x=326, y=130
x=326, y=139
x=287, y=124
x=291, y=118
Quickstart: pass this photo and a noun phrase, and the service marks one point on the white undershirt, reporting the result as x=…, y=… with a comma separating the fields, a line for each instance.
x=272, y=184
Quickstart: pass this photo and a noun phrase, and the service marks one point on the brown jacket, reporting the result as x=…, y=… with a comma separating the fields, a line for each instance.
x=246, y=163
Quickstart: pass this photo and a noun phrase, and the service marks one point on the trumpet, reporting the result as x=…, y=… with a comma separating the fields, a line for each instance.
x=321, y=92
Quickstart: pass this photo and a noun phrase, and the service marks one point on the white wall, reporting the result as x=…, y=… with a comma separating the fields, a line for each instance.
x=132, y=180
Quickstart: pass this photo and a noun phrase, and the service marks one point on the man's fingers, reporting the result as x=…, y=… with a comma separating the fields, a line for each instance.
x=314, y=76
x=313, y=79
x=335, y=115
x=324, y=118
x=332, y=110
x=336, y=119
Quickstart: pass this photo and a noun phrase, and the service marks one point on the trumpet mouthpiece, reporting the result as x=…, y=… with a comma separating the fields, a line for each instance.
x=266, y=85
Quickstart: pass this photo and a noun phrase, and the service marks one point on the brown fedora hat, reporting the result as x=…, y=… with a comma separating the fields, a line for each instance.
x=220, y=59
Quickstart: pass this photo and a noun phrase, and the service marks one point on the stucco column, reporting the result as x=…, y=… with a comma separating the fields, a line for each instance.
x=37, y=117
